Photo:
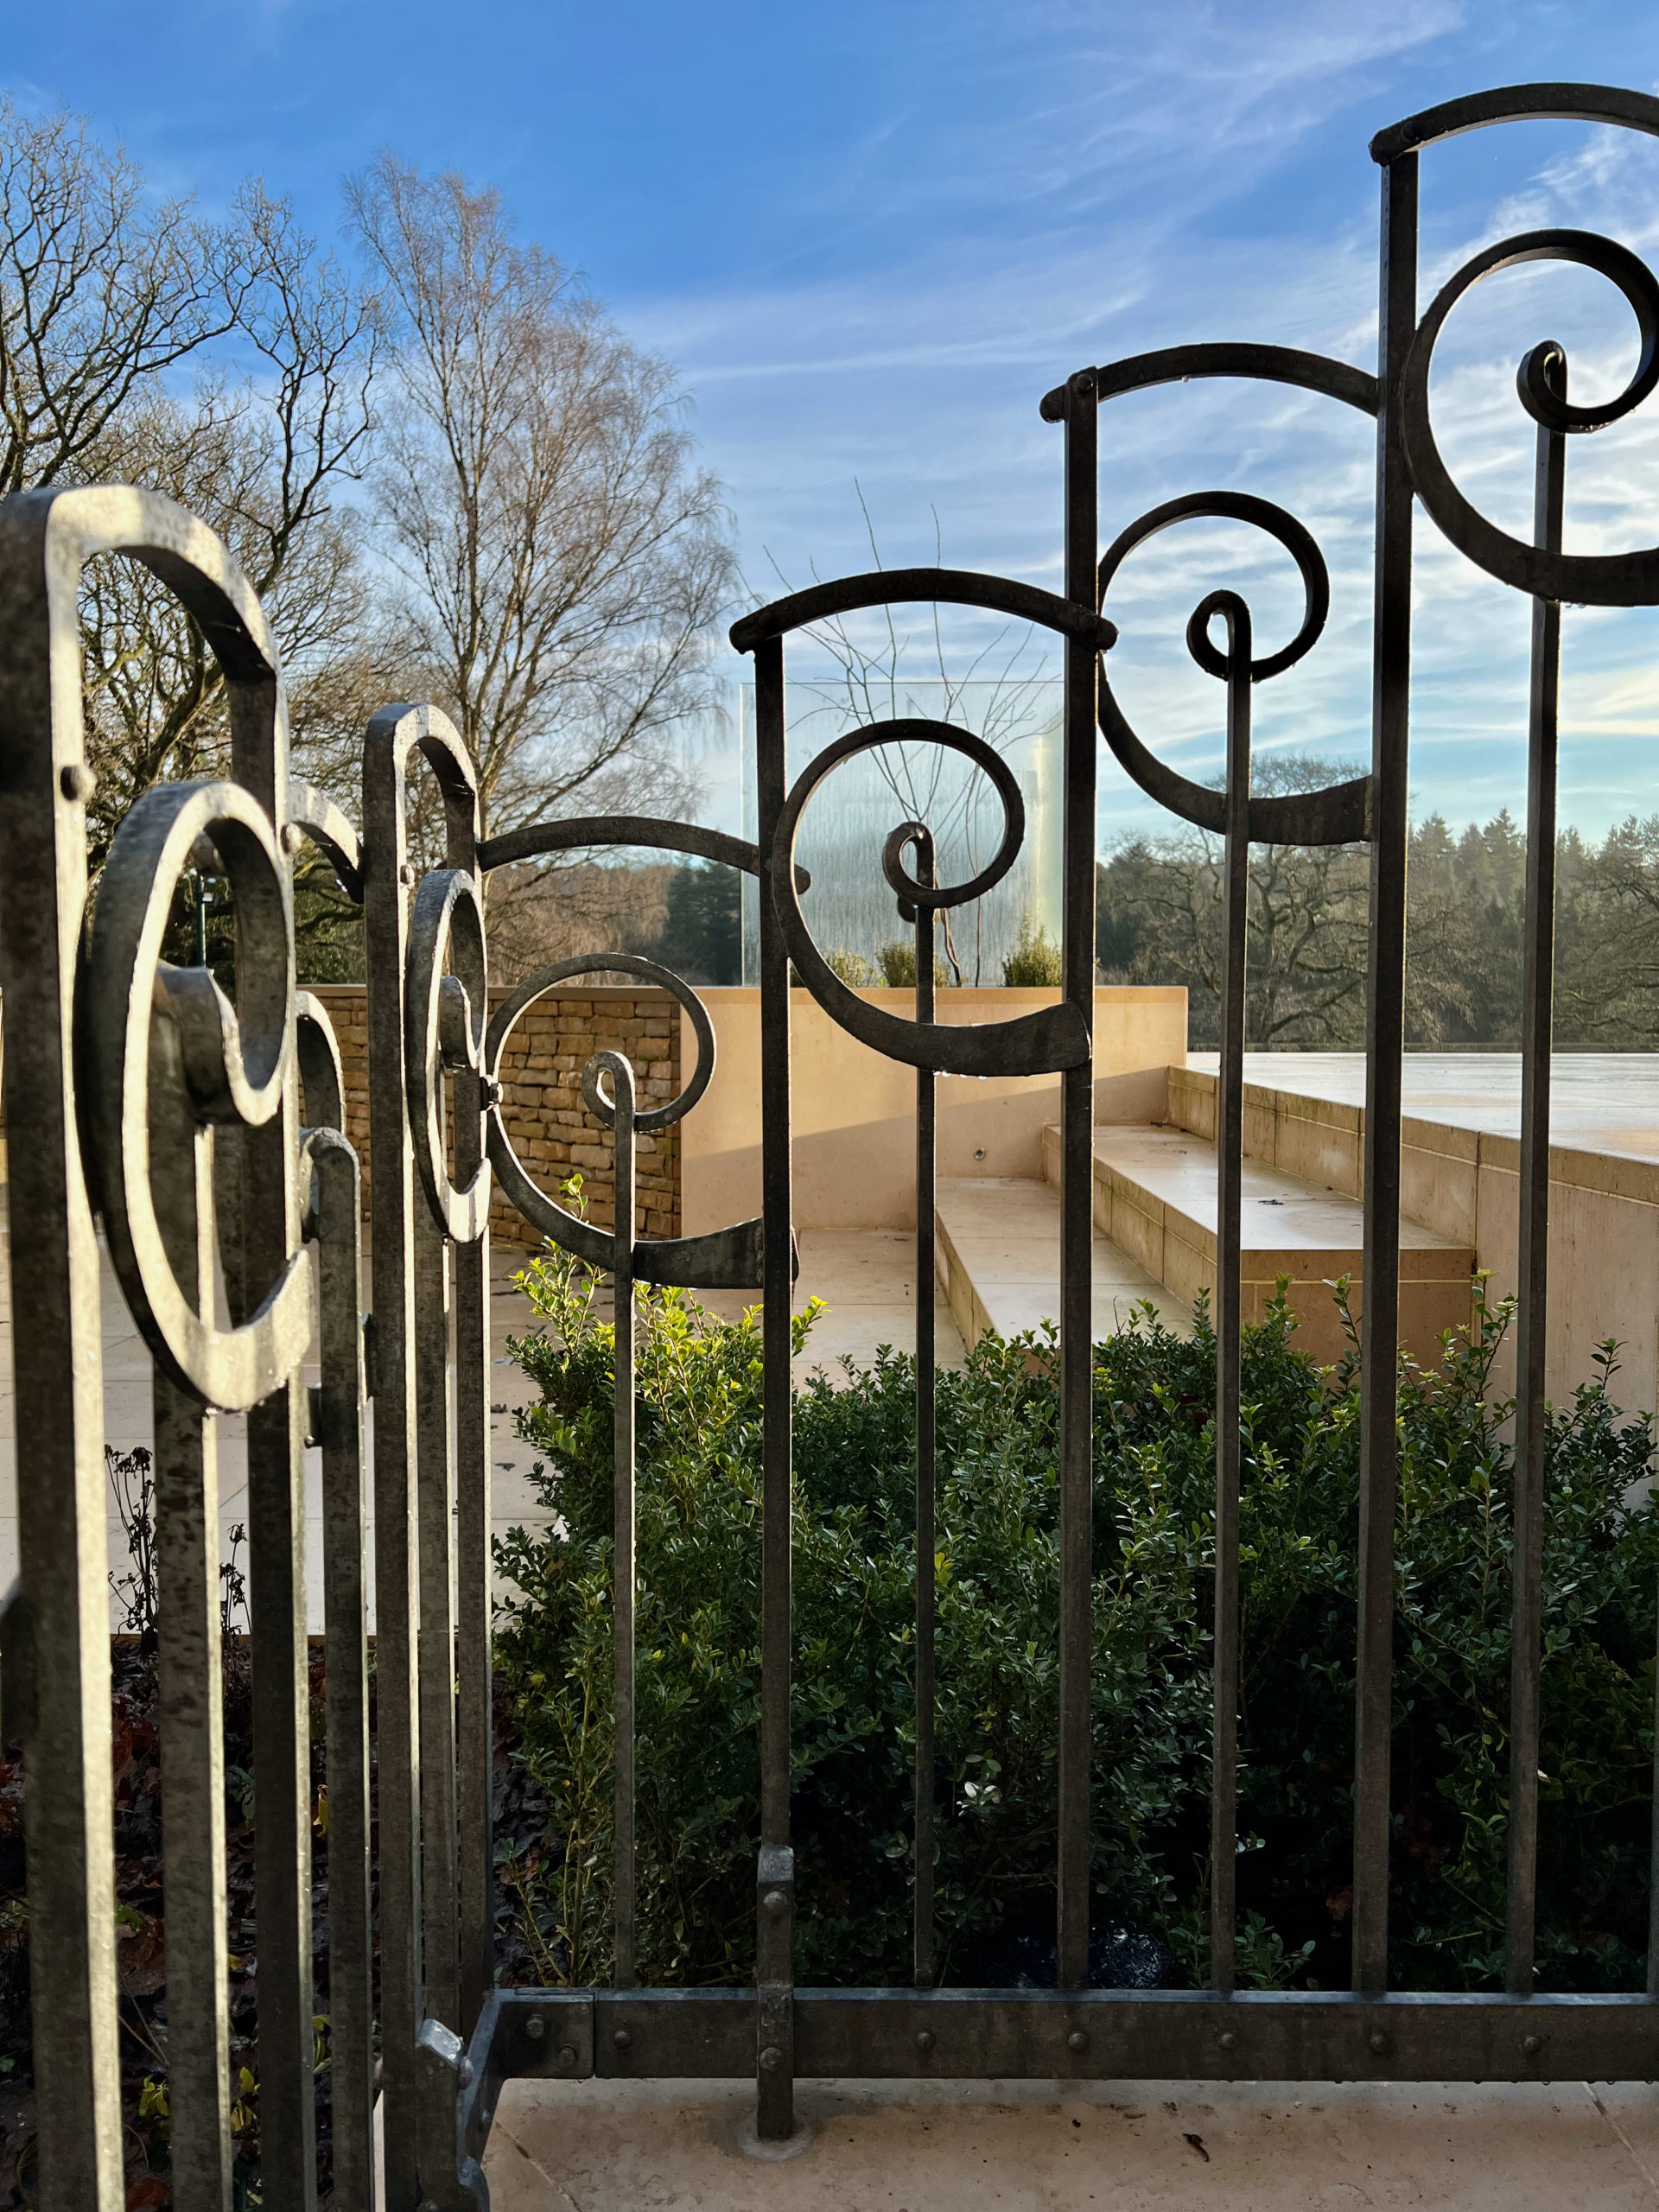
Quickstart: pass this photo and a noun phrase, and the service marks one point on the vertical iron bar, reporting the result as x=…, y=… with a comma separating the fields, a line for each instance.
x=475, y=1756
x=189, y=1683
x=385, y=924
x=439, y=1953
x=1537, y=1001
x=69, y=1804
x=1230, y=1146
x=269, y=1232
x=926, y=1439
x=1077, y=1198
x=1384, y=1043
x=774, y=1969
x=346, y=1659
x=623, y=1568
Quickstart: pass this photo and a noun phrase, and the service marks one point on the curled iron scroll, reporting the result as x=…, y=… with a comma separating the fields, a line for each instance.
x=1335, y=816
x=1582, y=579
x=443, y=1032
x=234, y=1062
x=1039, y=1043
x=720, y=1258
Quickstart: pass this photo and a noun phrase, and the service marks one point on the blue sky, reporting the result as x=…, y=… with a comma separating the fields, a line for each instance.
x=871, y=236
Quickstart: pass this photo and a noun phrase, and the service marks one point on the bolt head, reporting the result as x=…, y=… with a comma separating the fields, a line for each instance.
x=77, y=782
x=1531, y=2045
x=622, y=2040
x=771, y=2059
x=776, y=1902
x=1229, y=2039
x=535, y=2027
x=464, y=2072
x=1076, y=2040
x=925, y=2040
x=1379, y=2042
x=567, y=2056
x=293, y=838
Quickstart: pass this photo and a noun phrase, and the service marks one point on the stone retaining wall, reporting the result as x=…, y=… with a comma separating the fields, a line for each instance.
x=549, y=1127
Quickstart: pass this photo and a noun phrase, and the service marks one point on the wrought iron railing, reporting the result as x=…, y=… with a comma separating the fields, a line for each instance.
x=207, y=1140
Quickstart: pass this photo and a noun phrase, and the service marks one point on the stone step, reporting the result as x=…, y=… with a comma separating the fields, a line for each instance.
x=1155, y=1198
x=999, y=1261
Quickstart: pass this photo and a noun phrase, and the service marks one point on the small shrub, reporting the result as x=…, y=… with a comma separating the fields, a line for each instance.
x=699, y=1487
x=854, y=969
x=1034, y=961
x=897, y=961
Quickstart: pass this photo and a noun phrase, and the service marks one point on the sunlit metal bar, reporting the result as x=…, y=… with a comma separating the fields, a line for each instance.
x=624, y=1570
x=189, y=1690
x=390, y=740
x=1532, y=1336
x=474, y=1704
x=1385, y=1042
x=926, y=1435
x=440, y=1948
x=267, y=1232
x=1078, y=1195
x=774, y=1943
x=1229, y=1150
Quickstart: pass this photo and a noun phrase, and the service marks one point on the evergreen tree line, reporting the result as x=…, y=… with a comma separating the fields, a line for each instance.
x=1159, y=921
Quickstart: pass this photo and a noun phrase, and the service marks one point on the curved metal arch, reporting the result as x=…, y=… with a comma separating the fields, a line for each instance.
x=649, y=830
x=1516, y=104
x=720, y=1258
x=1039, y=1043
x=314, y=815
x=1338, y=815
x=947, y=587
x=1586, y=579
x=233, y=1066
x=1225, y=358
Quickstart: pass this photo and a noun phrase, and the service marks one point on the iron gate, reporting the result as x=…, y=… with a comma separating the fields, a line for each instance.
x=207, y=1140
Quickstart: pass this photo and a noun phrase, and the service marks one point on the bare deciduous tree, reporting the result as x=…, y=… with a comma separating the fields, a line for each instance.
x=561, y=556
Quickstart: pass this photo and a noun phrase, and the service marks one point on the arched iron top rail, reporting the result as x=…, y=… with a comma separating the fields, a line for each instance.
x=623, y=830
x=1270, y=363
x=1517, y=104
x=947, y=587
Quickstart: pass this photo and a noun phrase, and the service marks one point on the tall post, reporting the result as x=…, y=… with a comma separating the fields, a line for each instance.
x=926, y=1436
x=396, y=1546
x=1230, y=1148
x=775, y=1878
x=1384, y=1043
x=1537, y=1002
x=1078, y=1194
x=268, y=1229
x=68, y=1803
x=624, y=1570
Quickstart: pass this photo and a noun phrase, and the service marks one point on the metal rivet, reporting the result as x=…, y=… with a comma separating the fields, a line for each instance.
x=1379, y=2042
x=293, y=836
x=925, y=2039
x=776, y=1903
x=771, y=2059
x=622, y=2040
x=406, y=874
x=1531, y=2045
x=535, y=2027
x=1229, y=2040
x=1076, y=2040
x=77, y=782
x=566, y=2055
x=464, y=2072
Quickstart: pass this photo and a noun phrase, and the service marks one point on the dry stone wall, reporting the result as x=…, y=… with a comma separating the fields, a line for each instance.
x=550, y=1128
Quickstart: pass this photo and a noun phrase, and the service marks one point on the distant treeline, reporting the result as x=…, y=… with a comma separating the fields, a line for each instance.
x=1160, y=922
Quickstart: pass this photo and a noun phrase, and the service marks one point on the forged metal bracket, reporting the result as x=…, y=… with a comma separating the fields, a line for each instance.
x=522, y=2035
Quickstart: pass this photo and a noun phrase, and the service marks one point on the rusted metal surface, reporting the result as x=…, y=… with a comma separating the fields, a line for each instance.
x=139, y=1094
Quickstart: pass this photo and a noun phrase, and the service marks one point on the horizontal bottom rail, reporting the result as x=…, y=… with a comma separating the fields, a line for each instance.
x=1113, y=2034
